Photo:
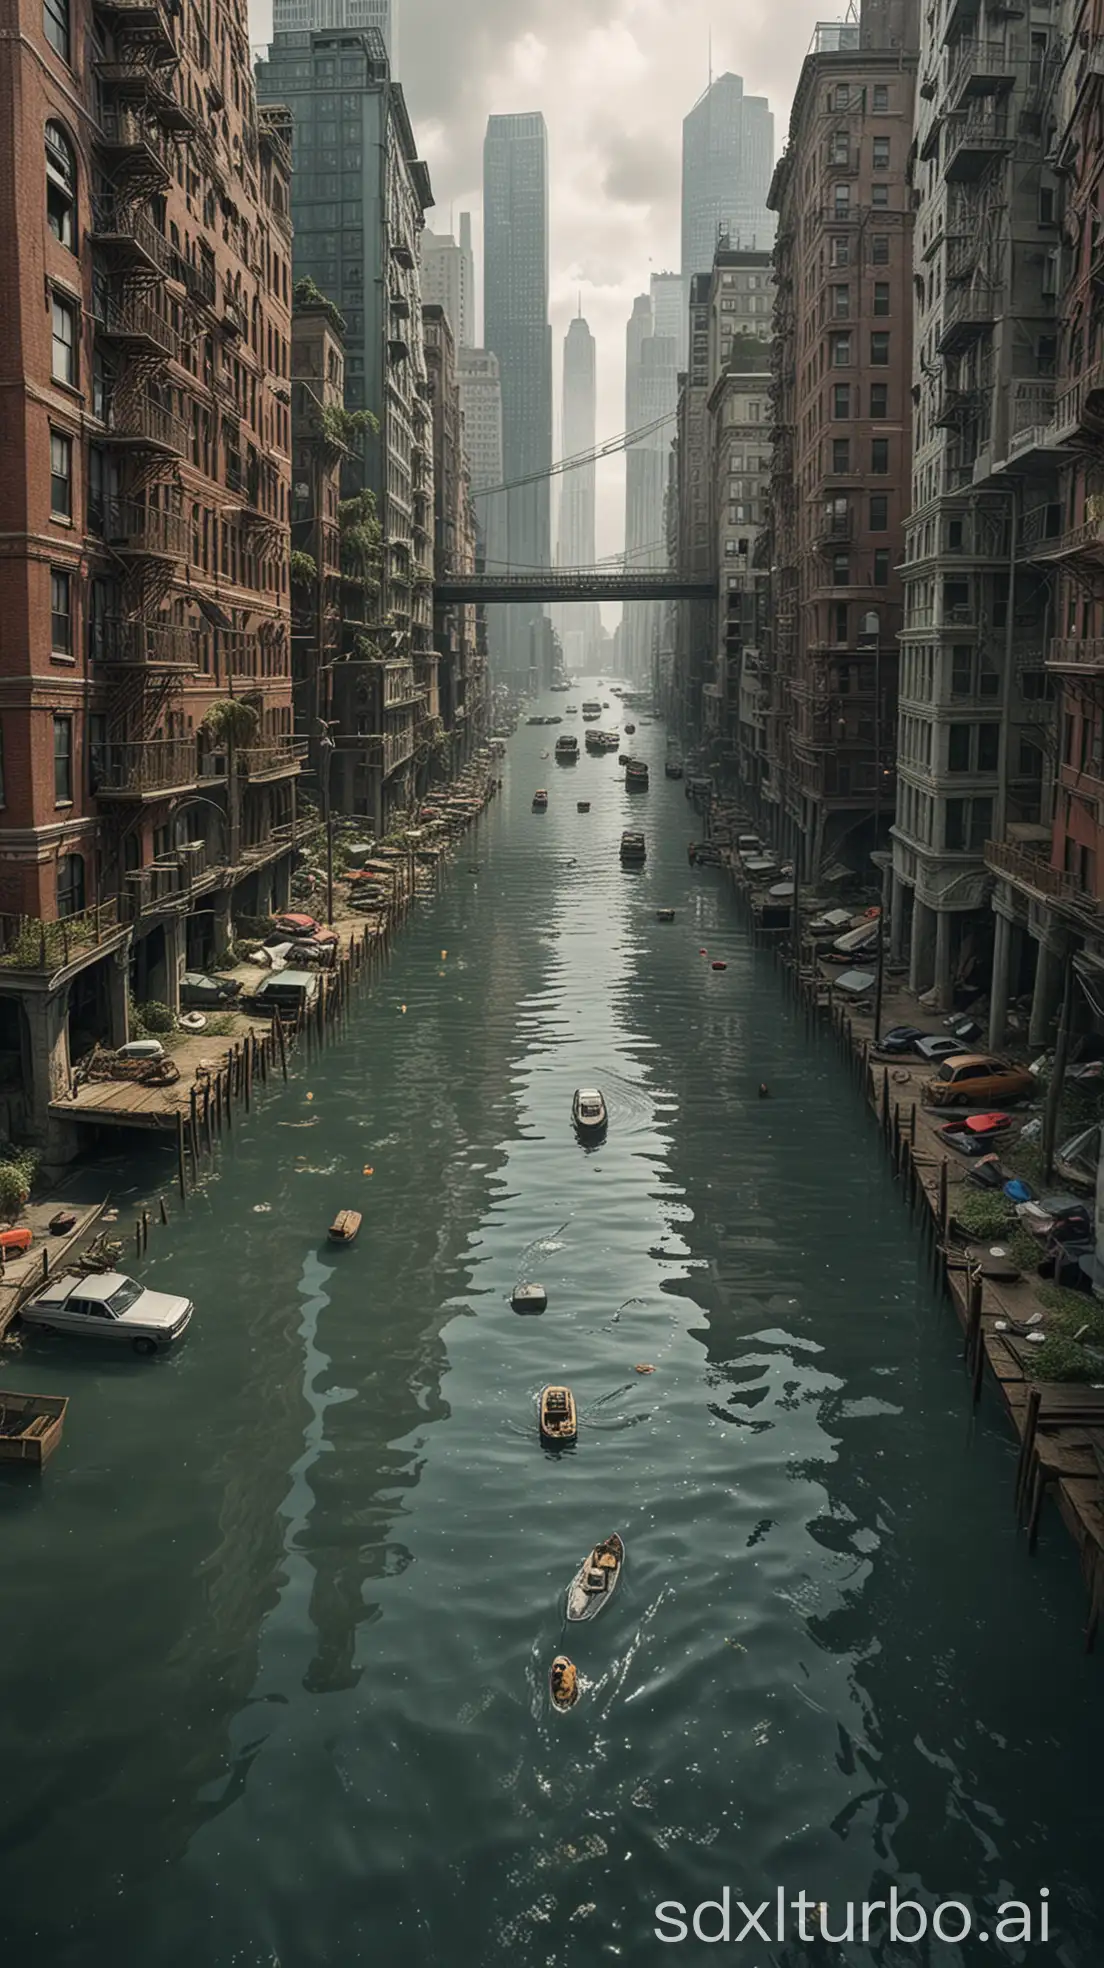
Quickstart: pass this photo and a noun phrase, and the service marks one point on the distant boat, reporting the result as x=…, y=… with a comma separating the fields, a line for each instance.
x=30, y=1426
x=567, y=751
x=583, y=806
x=588, y=1111
x=673, y=769
x=540, y=801
x=633, y=847
x=529, y=1298
x=636, y=776
x=559, y=1422
x=630, y=728
x=345, y=1227
x=596, y=1580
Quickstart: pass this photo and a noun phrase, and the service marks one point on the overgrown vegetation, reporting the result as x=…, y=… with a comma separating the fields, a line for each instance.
x=983, y=1213
x=342, y=429
x=230, y=721
x=154, y=1018
x=360, y=539
x=306, y=294
x=304, y=569
x=17, y=1173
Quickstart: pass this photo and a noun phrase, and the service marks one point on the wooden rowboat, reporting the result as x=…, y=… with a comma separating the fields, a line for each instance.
x=30, y=1426
x=345, y=1227
x=595, y=1582
x=558, y=1420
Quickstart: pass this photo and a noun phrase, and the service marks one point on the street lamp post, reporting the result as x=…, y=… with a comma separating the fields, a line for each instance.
x=326, y=751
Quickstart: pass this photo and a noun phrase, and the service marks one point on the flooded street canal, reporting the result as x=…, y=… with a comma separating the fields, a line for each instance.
x=277, y=1623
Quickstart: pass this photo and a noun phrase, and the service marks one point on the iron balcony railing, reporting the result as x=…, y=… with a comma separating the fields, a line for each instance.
x=144, y=645
x=1076, y=653
x=139, y=419
x=130, y=527
x=133, y=769
x=125, y=227
x=30, y=943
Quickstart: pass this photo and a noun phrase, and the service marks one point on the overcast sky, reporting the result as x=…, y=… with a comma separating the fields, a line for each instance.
x=614, y=79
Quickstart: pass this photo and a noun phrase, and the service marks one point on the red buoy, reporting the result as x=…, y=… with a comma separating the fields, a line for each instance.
x=719, y=966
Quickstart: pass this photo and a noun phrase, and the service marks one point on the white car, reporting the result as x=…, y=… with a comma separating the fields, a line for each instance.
x=110, y=1307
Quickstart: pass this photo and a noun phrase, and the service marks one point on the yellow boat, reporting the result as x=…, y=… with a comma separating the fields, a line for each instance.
x=558, y=1420
x=345, y=1227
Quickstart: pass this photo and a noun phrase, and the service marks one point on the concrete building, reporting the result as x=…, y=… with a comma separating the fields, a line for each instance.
x=670, y=313
x=516, y=327
x=360, y=248
x=318, y=452
x=461, y=674
x=481, y=404
x=579, y=624
x=448, y=279
x=145, y=664
x=843, y=371
x=326, y=16
x=651, y=394
x=978, y=544
x=727, y=160
x=1049, y=867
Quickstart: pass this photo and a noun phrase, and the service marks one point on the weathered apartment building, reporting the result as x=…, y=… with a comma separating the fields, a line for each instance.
x=460, y=647
x=148, y=791
x=976, y=710
x=1049, y=860
x=319, y=451
x=715, y=496
x=841, y=437
x=359, y=198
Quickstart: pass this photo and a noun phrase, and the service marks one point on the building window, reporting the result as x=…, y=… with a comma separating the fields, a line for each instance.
x=879, y=349
x=841, y=351
x=879, y=194
x=70, y=884
x=842, y=95
x=840, y=250
x=879, y=399
x=881, y=567
x=841, y=148
x=61, y=185
x=61, y=621
x=988, y=752
x=881, y=297
x=842, y=198
x=879, y=454
x=879, y=249
x=63, y=362
x=879, y=512
x=841, y=454
x=841, y=302
x=55, y=25
x=958, y=748
x=841, y=399
x=63, y=761
x=839, y=621
x=61, y=476
x=881, y=154
x=841, y=570
x=880, y=103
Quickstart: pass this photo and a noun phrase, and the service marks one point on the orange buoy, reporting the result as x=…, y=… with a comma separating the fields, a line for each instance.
x=368, y=1171
x=718, y=965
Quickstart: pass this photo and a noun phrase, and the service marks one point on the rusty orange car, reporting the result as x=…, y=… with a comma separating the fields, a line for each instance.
x=979, y=1079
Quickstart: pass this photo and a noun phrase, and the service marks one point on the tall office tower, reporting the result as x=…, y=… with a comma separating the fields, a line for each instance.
x=579, y=623
x=516, y=328
x=448, y=275
x=481, y=404
x=727, y=160
x=671, y=312
x=651, y=393
x=322, y=16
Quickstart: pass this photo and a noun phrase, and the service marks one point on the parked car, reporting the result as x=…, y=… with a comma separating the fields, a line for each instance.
x=198, y=991
x=900, y=1038
x=978, y=1079
x=141, y=1049
x=287, y=991
x=304, y=926
x=113, y=1308
x=931, y=1049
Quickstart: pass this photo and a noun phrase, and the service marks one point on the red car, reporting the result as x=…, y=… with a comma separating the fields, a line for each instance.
x=304, y=926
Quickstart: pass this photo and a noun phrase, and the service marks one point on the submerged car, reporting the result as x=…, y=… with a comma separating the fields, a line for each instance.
x=928, y=1047
x=113, y=1308
x=198, y=991
x=900, y=1038
x=979, y=1079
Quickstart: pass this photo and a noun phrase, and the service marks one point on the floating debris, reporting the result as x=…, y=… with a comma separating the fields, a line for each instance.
x=262, y=1209
x=643, y=1369
x=367, y=1170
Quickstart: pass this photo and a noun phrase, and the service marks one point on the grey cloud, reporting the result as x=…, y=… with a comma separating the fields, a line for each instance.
x=640, y=169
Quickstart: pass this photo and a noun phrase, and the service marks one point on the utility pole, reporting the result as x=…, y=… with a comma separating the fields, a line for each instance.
x=326, y=752
x=880, y=966
x=1057, y=1074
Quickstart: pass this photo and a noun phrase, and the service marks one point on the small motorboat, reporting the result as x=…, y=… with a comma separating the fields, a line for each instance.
x=665, y=915
x=30, y=1426
x=595, y=1582
x=636, y=776
x=718, y=964
x=529, y=1298
x=981, y=1125
x=567, y=751
x=588, y=1110
x=633, y=847
x=540, y=801
x=583, y=806
x=345, y=1227
x=563, y=1683
x=673, y=769
x=558, y=1420
x=629, y=729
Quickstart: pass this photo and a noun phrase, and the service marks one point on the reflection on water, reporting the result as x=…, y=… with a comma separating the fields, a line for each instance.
x=278, y=1622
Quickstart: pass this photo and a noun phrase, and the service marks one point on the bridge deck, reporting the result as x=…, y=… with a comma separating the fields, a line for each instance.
x=579, y=584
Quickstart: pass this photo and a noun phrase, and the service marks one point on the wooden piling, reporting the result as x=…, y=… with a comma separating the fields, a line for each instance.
x=145, y=1229
x=161, y=1204
x=193, y=1112
x=944, y=1208
x=1027, y=1446
x=181, y=1174
x=279, y=1024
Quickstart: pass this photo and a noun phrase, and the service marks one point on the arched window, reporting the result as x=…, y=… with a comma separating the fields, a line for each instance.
x=70, y=884
x=61, y=186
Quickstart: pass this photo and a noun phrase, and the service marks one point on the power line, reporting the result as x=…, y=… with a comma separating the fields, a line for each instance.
x=606, y=450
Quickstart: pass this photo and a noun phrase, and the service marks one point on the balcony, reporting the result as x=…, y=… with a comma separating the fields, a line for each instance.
x=128, y=237
x=1079, y=409
x=134, y=326
x=140, y=423
x=982, y=68
x=130, y=770
x=29, y=943
x=276, y=758
x=145, y=531
x=954, y=406
x=156, y=889
x=975, y=138
x=967, y=312
x=234, y=320
x=144, y=645
x=1031, y=872
x=135, y=145
x=1080, y=546
x=833, y=530
x=1069, y=655
x=147, y=20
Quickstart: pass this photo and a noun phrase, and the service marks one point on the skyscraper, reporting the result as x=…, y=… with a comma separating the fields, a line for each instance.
x=579, y=623
x=651, y=393
x=289, y=16
x=516, y=328
x=481, y=403
x=671, y=311
x=727, y=160
x=448, y=279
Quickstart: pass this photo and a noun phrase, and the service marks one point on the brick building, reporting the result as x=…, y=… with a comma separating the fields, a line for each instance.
x=144, y=438
x=461, y=671
x=841, y=434
x=319, y=450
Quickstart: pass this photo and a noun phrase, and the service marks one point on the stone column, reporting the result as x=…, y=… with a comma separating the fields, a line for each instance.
x=998, y=992
x=943, y=922
x=896, y=917
x=221, y=902
x=47, y=1041
x=118, y=996
x=920, y=949
x=174, y=962
x=1044, y=999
